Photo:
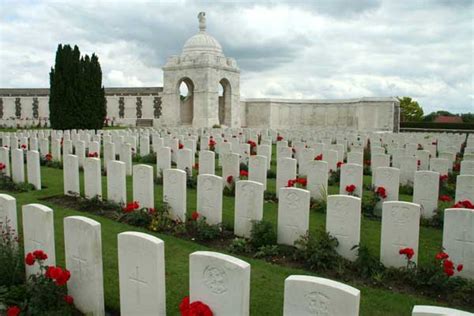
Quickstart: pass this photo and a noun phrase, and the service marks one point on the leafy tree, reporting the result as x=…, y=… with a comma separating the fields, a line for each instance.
x=410, y=110
x=77, y=97
x=467, y=117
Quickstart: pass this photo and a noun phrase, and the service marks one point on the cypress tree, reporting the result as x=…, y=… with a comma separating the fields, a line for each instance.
x=77, y=98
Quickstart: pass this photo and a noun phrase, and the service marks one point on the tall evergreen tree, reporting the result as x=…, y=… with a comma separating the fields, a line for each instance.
x=77, y=97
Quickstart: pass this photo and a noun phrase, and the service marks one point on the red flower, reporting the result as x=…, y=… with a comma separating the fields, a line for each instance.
x=445, y=198
x=132, y=206
x=381, y=192
x=408, y=252
x=30, y=259
x=40, y=255
x=449, y=271
x=448, y=264
x=350, y=188
x=230, y=179
x=444, y=177
x=196, y=166
x=2, y=166
x=63, y=277
x=13, y=311
x=457, y=167
x=184, y=306
x=459, y=268
x=279, y=138
x=93, y=155
x=59, y=275
x=252, y=143
x=195, y=215
x=68, y=299
x=418, y=162
x=339, y=164
x=151, y=210
x=290, y=183
x=302, y=181
x=196, y=308
x=180, y=146
x=244, y=173
x=48, y=157
x=441, y=255
x=464, y=204
x=319, y=157
x=23, y=146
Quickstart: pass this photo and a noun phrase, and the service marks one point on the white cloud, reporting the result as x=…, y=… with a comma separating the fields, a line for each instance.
x=304, y=49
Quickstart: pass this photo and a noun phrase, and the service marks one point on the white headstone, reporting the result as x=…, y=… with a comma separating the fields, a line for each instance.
x=185, y=160
x=209, y=198
x=83, y=252
x=351, y=174
x=141, y=260
x=8, y=214
x=174, y=192
x=286, y=170
x=318, y=179
x=389, y=178
x=220, y=281
x=38, y=233
x=425, y=192
x=248, y=206
x=5, y=159
x=400, y=229
x=207, y=162
x=258, y=169
x=293, y=215
x=163, y=160
x=230, y=166
x=343, y=218
x=424, y=310
x=18, y=167
x=143, y=186
x=33, y=169
x=467, y=168
x=71, y=175
x=309, y=296
x=116, y=182
x=465, y=188
x=458, y=238
x=109, y=154
x=92, y=178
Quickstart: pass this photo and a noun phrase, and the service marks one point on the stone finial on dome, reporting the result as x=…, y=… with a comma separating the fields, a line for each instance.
x=202, y=21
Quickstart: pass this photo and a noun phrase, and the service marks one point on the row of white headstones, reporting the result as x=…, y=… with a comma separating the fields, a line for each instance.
x=220, y=281
x=401, y=219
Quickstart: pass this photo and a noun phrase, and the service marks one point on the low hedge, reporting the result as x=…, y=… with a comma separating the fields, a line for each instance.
x=433, y=125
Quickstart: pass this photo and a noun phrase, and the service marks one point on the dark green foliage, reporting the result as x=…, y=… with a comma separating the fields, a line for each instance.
x=243, y=166
x=7, y=184
x=366, y=264
x=271, y=174
x=160, y=219
x=406, y=189
x=140, y=218
x=369, y=200
x=240, y=245
x=11, y=257
x=318, y=252
x=150, y=158
x=262, y=234
x=318, y=205
x=433, y=125
x=201, y=230
x=410, y=110
x=267, y=251
x=270, y=196
x=77, y=97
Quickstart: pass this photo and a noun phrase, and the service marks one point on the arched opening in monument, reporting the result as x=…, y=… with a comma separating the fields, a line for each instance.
x=224, y=102
x=186, y=101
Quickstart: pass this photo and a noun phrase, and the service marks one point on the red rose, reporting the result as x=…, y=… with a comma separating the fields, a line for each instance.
x=290, y=183
x=444, y=177
x=199, y=309
x=40, y=255
x=449, y=271
x=279, y=138
x=448, y=264
x=381, y=192
x=464, y=204
x=319, y=157
x=459, y=268
x=252, y=143
x=196, y=166
x=457, y=167
x=63, y=277
x=418, y=162
x=350, y=188
x=180, y=146
x=30, y=259
x=184, y=306
x=445, y=198
x=244, y=173
x=13, y=311
x=339, y=164
x=195, y=215
x=23, y=146
x=441, y=255
x=2, y=166
x=230, y=179
x=302, y=181
x=408, y=252
x=68, y=299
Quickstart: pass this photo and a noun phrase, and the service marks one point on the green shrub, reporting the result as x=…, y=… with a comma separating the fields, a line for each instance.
x=406, y=189
x=160, y=219
x=7, y=184
x=367, y=265
x=201, y=230
x=369, y=201
x=262, y=234
x=140, y=218
x=318, y=205
x=11, y=257
x=267, y=251
x=318, y=252
x=240, y=245
x=270, y=196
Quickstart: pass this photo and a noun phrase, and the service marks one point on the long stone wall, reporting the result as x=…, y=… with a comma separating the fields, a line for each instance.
x=30, y=107
x=368, y=114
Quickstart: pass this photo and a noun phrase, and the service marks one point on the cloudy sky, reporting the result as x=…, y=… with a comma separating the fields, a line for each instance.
x=298, y=49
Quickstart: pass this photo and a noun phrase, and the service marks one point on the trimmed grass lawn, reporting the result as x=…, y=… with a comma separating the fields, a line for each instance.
x=267, y=280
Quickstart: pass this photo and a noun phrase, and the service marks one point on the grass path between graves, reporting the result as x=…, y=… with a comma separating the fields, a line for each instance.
x=267, y=280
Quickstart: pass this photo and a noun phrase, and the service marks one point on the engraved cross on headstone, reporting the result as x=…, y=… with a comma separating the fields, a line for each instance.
x=79, y=262
x=136, y=279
